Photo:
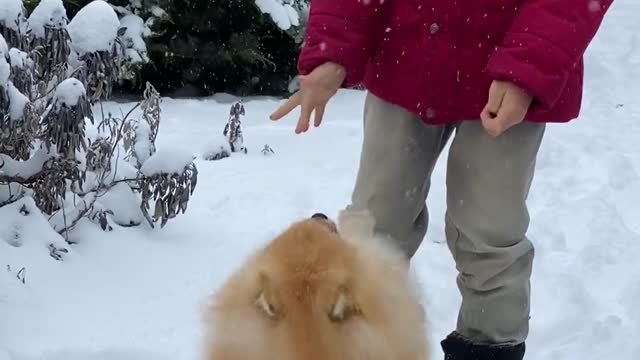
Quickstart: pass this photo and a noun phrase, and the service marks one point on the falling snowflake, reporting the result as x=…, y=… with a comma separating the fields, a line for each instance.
x=595, y=5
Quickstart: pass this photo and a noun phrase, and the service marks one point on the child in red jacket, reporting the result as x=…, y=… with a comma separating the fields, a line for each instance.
x=495, y=71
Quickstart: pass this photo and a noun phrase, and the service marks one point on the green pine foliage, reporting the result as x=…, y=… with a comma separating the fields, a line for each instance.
x=207, y=46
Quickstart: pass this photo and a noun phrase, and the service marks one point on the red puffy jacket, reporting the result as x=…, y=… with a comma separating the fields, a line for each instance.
x=437, y=58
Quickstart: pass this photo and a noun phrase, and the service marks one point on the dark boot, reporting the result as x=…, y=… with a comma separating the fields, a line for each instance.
x=455, y=347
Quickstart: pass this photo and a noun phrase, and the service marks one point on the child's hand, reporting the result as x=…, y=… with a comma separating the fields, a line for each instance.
x=316, y=89
x=507, y=106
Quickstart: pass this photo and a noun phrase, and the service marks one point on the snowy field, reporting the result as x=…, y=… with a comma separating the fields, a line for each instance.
x=135, y=293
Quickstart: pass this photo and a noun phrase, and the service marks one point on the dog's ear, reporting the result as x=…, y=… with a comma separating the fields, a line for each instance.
x=264, y=301
x=343, y=307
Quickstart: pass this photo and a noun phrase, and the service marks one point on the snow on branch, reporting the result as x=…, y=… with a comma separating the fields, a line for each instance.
x=135, y=30
x=12, y=20
x=11, y=12
x=94, y=28
x=167, y=161
x=48, y=14
x=282, y=13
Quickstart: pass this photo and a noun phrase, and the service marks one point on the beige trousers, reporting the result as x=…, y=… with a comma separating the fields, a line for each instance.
x=487, y=180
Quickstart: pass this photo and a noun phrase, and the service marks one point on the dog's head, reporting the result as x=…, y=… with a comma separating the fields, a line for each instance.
x=311, y=261
x=311, y=294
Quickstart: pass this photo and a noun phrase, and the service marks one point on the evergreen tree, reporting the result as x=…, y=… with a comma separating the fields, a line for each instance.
x=221, y=46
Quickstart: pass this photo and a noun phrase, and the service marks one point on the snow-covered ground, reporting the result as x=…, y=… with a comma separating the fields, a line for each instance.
x=135, y=293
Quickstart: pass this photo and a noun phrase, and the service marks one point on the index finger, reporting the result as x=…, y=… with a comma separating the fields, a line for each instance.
x=286, y=107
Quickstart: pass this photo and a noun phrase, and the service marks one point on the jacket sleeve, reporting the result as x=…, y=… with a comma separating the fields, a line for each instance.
x=342, y=31
x=545, y=41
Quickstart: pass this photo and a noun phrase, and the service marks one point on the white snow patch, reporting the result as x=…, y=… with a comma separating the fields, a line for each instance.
x=4, y=355
x=167, y=161
x=17, y=102
x=11, y=11
x=24, y=227
x=294, y=17
x=4, y=48
x=94, y=28
x=125, y=170
x=216, y=148
x=24, y=169
x=133, y=38
x=48, y=13
x=5, y=72
x=124, y=203
x=69, y=92
x=73, y=207
x=158, y=11
x=20, y=59
x=143, y=146
x=282, y=14
x=74, y=62
x=5, y=68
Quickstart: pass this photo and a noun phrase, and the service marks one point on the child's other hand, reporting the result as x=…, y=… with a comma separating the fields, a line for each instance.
x=507, y=106
x=316, y=89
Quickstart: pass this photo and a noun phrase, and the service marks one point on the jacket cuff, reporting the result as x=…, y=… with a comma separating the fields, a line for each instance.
x=314, y=55
x=325, y=43
x=535, y=65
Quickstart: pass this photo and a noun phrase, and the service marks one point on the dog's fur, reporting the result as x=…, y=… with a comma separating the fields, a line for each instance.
x=313, y=293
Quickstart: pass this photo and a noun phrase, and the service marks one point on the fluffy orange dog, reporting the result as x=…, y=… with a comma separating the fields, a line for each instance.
x=316, y=294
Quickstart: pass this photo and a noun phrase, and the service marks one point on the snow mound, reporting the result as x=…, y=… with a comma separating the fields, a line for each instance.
x=72, y=209
x=48, y=13
x=124, y=204
x=216, y=149
x=172, y=161
x=124, y=169
x=20, y=59
x=284, y=15
x=69, y=92
x=17, y=102
x=94, y=28
x=24, y=169
x=10, y=13
x=133, y=38
x=24, y=227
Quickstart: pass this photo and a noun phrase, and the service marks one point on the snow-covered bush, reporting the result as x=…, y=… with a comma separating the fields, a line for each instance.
x=12, y=21
x=21, y=71
x=95, y=43
x=48, y=39
x=233, y=128
x=217, y=148
x=49, y=152
x=169, y=179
